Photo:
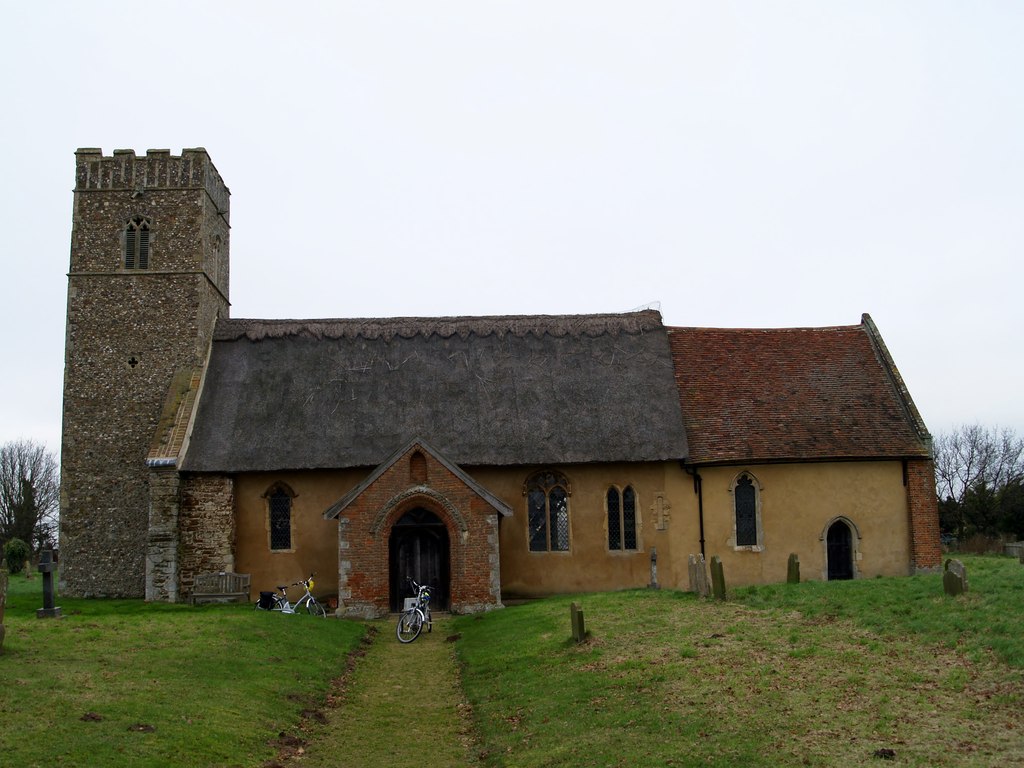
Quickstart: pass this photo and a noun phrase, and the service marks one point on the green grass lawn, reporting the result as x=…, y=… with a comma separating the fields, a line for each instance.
x=810, y=674
x=123, y=682
x=820, y=674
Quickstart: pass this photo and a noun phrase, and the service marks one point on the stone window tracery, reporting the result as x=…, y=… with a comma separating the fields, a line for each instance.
x=136, y=243
x=747, y=513
x=279, y=517
x=547, y=495
x=621, y=519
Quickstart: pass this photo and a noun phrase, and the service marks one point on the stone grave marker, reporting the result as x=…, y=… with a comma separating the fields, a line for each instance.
x=954, y=578
x=793, y=569
x=698, y=575
x=47, y=567
x=654, y=569
x=579, y=630
x=717, y=578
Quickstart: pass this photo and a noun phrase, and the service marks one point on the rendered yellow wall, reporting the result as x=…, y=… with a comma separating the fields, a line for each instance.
x=797, y=503
x=588, y=565
x=314, y=540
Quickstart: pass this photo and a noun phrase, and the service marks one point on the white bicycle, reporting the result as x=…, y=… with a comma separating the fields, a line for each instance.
x=278, y=601
x=411, y=622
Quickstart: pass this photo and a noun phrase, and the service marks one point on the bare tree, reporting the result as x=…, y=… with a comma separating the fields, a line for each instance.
x=29, y=493
x=974, y=468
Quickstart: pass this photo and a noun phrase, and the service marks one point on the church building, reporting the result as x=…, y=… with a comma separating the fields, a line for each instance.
x=493, y=457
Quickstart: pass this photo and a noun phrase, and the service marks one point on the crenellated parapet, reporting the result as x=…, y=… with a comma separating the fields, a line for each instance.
x=157, y=169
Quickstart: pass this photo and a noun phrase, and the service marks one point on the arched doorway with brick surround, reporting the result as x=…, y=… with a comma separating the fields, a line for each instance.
x=420, y=514
x=418, y=550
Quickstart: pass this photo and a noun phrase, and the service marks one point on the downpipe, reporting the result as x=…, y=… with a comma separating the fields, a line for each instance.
x=698, y=488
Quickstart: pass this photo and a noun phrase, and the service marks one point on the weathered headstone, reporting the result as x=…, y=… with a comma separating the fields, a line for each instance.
x=698, y=575
x=654, y=569
x=954, y=578
x=793, y=569
x=47, y=567
x=3, y=602
x=579, y=630
x=717, y=578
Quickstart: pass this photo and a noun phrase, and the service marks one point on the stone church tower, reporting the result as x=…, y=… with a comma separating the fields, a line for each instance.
x=148, y=280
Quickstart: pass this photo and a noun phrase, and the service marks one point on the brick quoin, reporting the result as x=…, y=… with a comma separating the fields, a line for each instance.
x=923, y=507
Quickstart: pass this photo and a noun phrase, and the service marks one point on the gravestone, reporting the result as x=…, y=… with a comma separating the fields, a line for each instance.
x=717, y=578
x=3, y=602
x=47, y=567
x=579, y=630
x=954, y=578
x=654, y=569
x=698, y=575
x=793, y=569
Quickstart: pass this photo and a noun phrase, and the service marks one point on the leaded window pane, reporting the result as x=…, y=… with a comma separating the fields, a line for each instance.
x=537, y=501
x=628, y=519
x=547, y=503
x=614, y=523
x=746, y=513
x=559, y=502
x=280, y=520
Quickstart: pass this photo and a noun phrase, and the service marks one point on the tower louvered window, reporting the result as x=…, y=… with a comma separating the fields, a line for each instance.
x=622, y=519
x=547, y=495
x=136, y=243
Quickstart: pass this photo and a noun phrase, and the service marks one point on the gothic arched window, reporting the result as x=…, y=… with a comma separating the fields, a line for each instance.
x=279, y=516
x=136, y=243
x=547, y=501
x=745, y=503
x=621, y=519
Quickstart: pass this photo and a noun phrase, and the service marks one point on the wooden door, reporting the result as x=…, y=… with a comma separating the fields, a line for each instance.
x=418, y=550
x=840, y=551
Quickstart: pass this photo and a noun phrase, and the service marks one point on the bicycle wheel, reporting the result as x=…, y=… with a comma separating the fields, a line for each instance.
x=410, y=624
x=316, y=609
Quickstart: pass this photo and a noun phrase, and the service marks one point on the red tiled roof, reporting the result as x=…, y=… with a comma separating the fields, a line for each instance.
x=793, y=394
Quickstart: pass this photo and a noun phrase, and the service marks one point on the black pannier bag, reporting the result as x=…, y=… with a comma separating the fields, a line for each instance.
x=266, y=600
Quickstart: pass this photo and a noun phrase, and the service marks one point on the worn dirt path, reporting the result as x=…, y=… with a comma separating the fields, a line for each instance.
x=402, y=706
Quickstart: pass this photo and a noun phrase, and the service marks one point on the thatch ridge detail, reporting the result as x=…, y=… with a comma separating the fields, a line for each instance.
x=387, y=328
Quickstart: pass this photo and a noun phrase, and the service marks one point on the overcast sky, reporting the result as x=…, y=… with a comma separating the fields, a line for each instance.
x=764, y=164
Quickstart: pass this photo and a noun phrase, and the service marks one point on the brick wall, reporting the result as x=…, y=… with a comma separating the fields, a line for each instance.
x=923, y=507
x=365, y=529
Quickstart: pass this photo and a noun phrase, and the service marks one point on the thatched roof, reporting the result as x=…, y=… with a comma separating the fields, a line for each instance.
x=305, y=394
x=793, y=394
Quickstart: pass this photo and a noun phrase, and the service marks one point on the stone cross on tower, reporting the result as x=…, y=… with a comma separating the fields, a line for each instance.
x=47, y=567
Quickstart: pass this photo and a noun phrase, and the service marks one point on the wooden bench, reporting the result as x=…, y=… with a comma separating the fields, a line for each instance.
x=220, y=588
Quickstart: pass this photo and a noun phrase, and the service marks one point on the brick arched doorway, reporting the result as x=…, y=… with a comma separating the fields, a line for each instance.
x=419, y=549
